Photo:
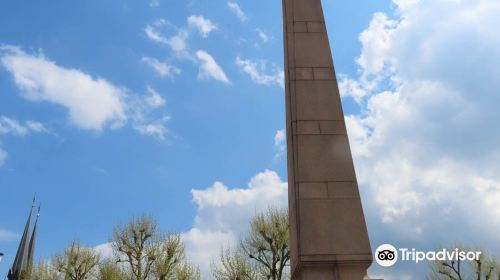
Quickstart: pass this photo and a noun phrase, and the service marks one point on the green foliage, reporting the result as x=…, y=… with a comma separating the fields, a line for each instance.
x=148, y=254
x=134, y=244
x=141, y=252
x=170, y=254
x=45, y=271
x=267, y=243
x=186, y=271
x=77, y=262
x=233, y=265
x=109, y=270
x=263, y=254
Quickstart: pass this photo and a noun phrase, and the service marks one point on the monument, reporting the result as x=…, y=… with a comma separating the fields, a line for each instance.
x=328, y=234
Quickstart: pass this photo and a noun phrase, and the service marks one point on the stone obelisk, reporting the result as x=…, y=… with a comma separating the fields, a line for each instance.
x=328, y=234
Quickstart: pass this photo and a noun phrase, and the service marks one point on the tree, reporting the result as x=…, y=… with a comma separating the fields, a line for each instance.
x=109, y=270
x=263, y=254
x=170, y=255
x=45, y=271
x=134, y=244
x=267, y=243
x=149, y=254
x=233, y=265
x=186, y=271
x=141, y=252
x=486, y=267
x=77, y=262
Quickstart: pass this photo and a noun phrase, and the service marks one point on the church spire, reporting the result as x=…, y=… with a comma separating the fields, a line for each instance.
x=20, y=262
x=31, y=247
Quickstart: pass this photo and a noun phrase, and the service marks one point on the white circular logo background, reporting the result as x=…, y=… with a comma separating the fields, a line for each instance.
x=386, y=255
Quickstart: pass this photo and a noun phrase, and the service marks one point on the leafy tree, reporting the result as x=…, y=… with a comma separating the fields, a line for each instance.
x=149, y=254
x=267, y=243
x=77, y=262
x=109, y=270
x=170, y=254
x=45, y=271
x=263, y=254
x=134, y=244
x=186, y=271
x=141, y=252
x=233, y=265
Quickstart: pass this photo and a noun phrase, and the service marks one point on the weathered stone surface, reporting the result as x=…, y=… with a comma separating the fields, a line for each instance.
x=328, y=237
x=316, y=100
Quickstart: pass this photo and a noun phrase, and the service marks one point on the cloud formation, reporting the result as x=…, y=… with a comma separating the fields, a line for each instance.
x=203, y=25
x=14, y=127
x=217, y=224
x=144, y=119
x=6, y=236
x=164, y=69
x=92, y=103
x=262, y=35
x=236, y=9
x=154, y=3
x=177, y=42
x=3, y=157
x=256, y=71
x=280, y=143
x=209, y=69
x=154, y=99
x=9, y=126
x=426, y=140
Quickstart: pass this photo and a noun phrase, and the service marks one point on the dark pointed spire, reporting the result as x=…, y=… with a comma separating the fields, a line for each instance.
x=22, y=252
x=31, y=247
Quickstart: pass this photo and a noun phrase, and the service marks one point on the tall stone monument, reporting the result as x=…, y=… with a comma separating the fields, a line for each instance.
x=328, y=234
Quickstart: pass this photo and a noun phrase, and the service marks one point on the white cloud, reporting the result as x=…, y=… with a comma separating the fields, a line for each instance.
x=256, y=69
x=356, y=89
x=153, y=34
x=280, y=143
x=16, y=128
x=105, y=250
x=7, y=235
x=164, y=69
x=203, y=25
x=3, y=156
x=209, y=68
x=217, y=224
x=154, y=3
x=280, y=138
x=93, y=103
x=155, y=128
x=36, y=127
x=426, y=141
x=154, y=100
x=143, y=117
x=263, y=36
x=11, y=126
x=376, y=50
x=405, y=4
x=177, y=42
x=236, y=9
x=202, y=247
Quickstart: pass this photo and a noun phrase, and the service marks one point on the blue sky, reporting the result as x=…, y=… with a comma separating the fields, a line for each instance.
x=173, y=108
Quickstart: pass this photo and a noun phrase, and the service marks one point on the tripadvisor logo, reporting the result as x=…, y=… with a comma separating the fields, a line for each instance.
x=387, y=255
